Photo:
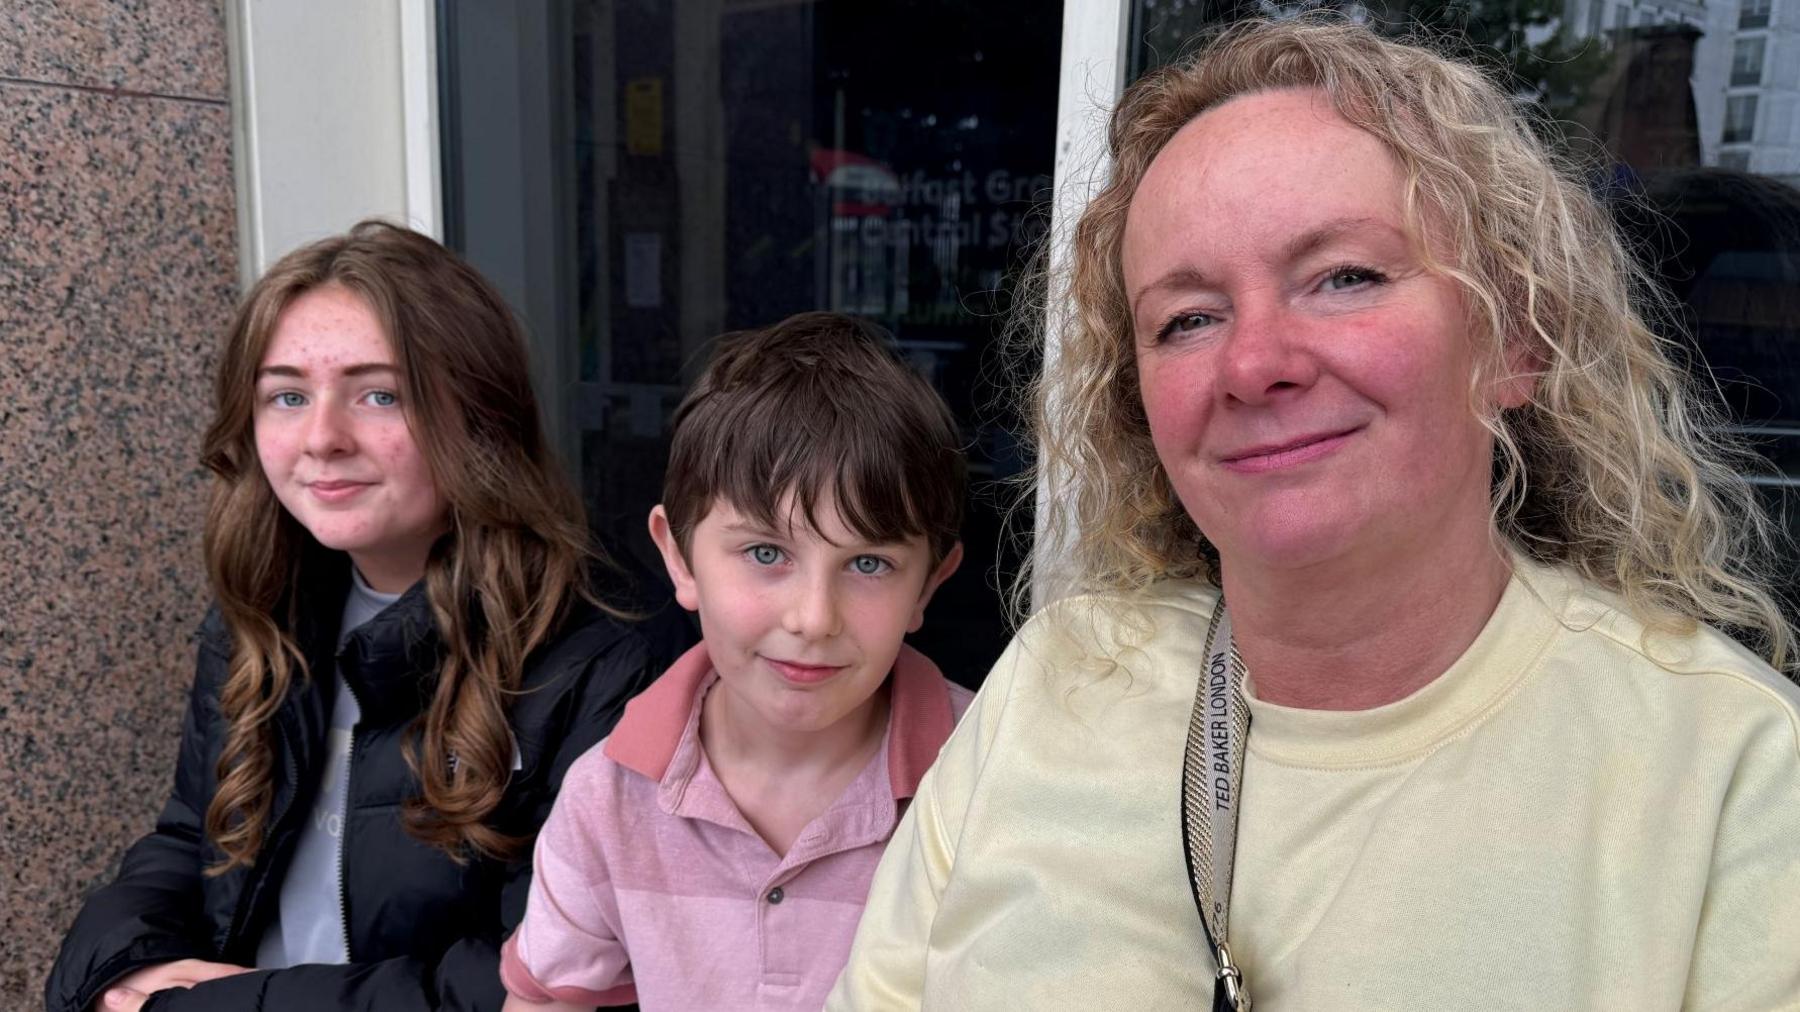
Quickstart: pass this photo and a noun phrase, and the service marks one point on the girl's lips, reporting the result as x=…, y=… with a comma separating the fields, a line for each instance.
x=1300, y=451
x=336, y=491
x=804, y=674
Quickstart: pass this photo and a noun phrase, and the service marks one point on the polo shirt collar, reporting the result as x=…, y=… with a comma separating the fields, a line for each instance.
x=656, y=722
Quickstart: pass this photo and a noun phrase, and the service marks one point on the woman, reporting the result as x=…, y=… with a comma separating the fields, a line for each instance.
x=1349, y=354
x=400, y=665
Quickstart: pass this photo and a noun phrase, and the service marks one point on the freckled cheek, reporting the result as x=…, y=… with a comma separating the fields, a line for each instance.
x=275, y=452
x=880, y=618
x=738, y=611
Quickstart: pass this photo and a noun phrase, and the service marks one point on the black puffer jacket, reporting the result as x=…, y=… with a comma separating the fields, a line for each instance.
x=424, y=932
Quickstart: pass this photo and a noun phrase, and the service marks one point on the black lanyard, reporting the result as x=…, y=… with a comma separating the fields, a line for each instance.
x=1212, y=773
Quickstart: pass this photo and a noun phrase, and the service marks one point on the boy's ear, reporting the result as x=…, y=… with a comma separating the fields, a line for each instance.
x=686, y=593
x=952, y=559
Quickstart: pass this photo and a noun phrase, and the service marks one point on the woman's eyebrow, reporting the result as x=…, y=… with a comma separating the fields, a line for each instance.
x=1314, y=239
x=1182, y=278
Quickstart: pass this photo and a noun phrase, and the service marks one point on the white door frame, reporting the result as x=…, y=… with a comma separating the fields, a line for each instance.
x=1095, y=48
x=334, y=119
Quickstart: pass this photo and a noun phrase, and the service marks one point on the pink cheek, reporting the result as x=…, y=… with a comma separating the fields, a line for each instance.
x=274, y=455
x=1174, y=419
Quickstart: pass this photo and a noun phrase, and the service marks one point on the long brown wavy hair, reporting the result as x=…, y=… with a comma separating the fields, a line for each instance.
x=1619, y=466
x=499, y=582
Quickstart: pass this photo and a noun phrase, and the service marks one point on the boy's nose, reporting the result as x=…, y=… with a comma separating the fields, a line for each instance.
x=812, y=612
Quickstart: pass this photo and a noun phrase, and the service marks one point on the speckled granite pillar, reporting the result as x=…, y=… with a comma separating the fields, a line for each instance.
x=117, y=272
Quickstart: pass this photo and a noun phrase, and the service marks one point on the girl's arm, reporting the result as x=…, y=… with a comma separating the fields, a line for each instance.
x=466, y=976
x=152, y=915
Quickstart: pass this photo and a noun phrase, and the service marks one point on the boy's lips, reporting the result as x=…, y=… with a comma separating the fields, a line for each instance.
x=804, y=673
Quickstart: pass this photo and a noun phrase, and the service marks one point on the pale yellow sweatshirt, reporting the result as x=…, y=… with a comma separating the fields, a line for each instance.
x=1566, y=819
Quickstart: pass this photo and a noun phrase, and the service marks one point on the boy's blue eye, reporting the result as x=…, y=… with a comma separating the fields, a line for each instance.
x=765, y=555
x=869, y=565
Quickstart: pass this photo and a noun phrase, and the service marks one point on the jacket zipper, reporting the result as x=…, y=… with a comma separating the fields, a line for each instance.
x=344, y=830
x=254, y=876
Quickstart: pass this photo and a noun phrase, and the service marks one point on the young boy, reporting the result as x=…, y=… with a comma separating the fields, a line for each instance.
x=716, y=850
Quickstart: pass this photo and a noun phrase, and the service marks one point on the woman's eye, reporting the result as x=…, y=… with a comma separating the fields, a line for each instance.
x=1184, y=323
x=383, y=398
x=288, y=399
x=869, y=565
x=764, y=555
x=1352, y=277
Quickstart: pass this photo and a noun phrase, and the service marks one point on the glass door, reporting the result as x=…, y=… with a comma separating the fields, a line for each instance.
x=646, y=175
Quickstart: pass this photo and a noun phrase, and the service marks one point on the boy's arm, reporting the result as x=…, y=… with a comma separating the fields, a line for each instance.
x=514, y=1003
x=567, y=951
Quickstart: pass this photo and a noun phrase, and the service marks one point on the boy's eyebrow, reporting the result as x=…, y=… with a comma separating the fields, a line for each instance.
x=750, y=527
x=753, y=527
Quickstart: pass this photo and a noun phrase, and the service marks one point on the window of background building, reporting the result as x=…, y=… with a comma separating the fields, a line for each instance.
x=684, y=169
x=1747, y=60
x=1647, y=107
x=1740, y=119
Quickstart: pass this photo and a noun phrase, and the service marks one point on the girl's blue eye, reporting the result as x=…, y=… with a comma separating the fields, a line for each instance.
x=765, y=555
x=289, y=399
x=383, y=398
x=869, y=565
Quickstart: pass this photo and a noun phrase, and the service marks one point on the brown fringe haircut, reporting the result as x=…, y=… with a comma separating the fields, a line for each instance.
x=499, y=582
x=817, y=404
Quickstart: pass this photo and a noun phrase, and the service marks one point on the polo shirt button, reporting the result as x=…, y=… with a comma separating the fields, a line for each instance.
x=776, y=895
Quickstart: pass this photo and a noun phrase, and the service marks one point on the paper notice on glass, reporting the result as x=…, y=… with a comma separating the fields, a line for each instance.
x=643, y=270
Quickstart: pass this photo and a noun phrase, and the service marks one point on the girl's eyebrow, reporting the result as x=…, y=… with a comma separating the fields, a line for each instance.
x=295, y=372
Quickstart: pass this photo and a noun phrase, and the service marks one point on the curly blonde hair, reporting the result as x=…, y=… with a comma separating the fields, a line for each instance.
x=1617, y=467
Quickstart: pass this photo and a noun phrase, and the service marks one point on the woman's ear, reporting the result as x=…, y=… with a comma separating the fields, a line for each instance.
x=1515, y=387
x=686, y=591
x=952, y=559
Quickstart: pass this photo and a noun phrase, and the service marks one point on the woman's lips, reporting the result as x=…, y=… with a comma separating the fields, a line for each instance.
x=804, y=674
x=1304, y=450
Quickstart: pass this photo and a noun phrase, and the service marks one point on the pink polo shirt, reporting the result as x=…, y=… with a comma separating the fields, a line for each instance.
x=650, y=885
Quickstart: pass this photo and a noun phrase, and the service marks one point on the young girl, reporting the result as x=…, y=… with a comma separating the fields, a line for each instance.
x=399, y=668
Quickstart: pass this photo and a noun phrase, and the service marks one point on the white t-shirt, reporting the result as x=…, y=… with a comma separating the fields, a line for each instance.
x=309, y=926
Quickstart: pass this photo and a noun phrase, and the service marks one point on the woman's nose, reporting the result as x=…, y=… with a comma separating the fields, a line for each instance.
x=1265, y=353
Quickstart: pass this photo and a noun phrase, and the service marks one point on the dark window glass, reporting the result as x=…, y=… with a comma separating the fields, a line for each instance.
x=675, y=170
